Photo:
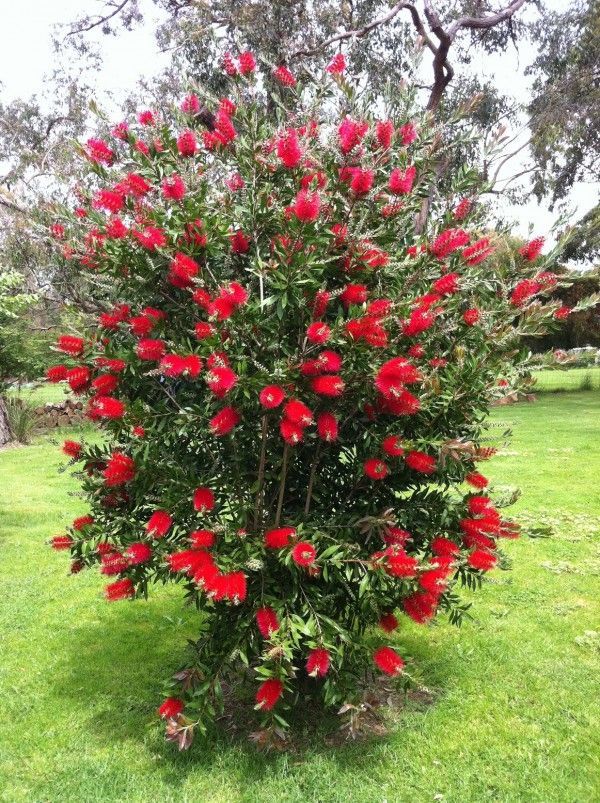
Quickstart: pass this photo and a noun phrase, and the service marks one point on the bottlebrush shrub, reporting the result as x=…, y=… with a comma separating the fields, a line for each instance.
x=292, y=381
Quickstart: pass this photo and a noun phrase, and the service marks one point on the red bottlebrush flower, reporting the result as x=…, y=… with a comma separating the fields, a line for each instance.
x=246, y=62
x=388, y=622
x=98, y=151
x=279, y=537
x=471, y=316
x=388, y=661
x=58, y=231
x=480, y=505
x=138, y=553
x=113, y=563
x=119, y=470
x=329, y=385
x=448, y=241
x=186, y=143
x=204, y=330
x=270, y=690
x=141, y=325
x=418, y=322
x=304, y=554
x=71, y=345
x=401, y=181
x=531, y=250
x=318, y=662
x=159, y=524
x=224, y=421
x=229, y=65
x=375, y=469
x=291, y=432
x=421, y=462
x=235, y=182
x=171, y=708
x=524, y=290
x=396, y=535
x=72, y=449
x=420, y=606
x=438, y=362
x=146, y=117
x=110, y=200
x=267, y=621
x=136, y=185
x=231, y=586
x=138, y=432
x=221, y=380
x=182, y=270
x=240, y=244
x=362, y=181
x=234, y=293
x=306, y=207
x=547, y=279
x=202, y=539
x=150, y=349
x=318, y=332
x=150, y=237
x=190, y=104
x=354, y=294
x=322, y=299
x=482, y=560
x=434, y=580
x=188, y=560
x=173, y=188
x=476, y=479
x=81, y=522
x=298, y=413
x=446, y=285
x=327, y=427
x=106, y=407
x=391, y=445
x=79, y=378
x=416, y=351
x=408, y=133
x=337, y=65
x=462, y=209
x=116, y=229
x=351, y=134
x=284, y=76
x=56, y=373
x=384, y=131
x=288, y=148
x=271, y=396
x=478, y=252
x=60, y=542
x=562, y=313
x=120, y=589
x=393, y=375
x=399, y=563
x=444, y=547
x=379, y=308
x=204, y=500
x=111, y=364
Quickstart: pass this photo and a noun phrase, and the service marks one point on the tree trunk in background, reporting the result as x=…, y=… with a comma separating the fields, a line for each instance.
x=5, y=433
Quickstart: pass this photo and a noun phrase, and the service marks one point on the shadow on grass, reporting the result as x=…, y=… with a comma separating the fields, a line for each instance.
x=111, y=674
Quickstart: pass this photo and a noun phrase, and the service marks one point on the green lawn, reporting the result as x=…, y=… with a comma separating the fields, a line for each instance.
x=552, y=381
x=43, y=393
x=515, y=714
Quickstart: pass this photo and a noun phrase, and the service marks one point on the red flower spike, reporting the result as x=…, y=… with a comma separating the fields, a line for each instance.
x=375, y=469
x=224, y=421
x=120, y=589
x=267, y=621
x=304, y=554
x=279, y=537
x=318, y=662
x=159, y=524
x=388, y=622
x=203, y=500
x=170, y=708
x=388, y=661
x=269, y=691
x=271, y=396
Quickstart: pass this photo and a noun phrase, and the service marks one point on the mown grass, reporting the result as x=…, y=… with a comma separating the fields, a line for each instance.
x=571, y=379
x=41, y=394
x=514, y=714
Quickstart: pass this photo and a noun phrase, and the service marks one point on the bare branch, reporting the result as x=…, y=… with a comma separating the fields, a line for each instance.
x=360, y=32
x=101, y=20
x=483, y=23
